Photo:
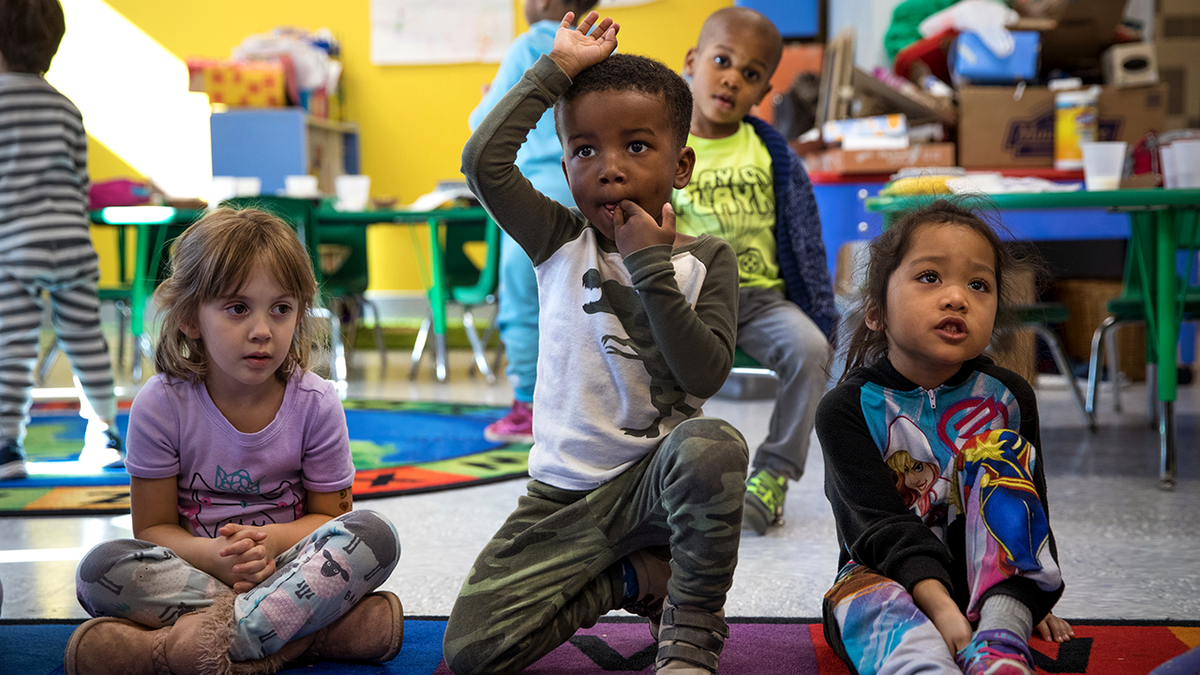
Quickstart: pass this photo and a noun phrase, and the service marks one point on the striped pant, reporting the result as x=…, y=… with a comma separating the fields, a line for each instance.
x=70, y=273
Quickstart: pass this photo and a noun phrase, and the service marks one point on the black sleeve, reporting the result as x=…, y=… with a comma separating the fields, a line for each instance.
x=875, y=527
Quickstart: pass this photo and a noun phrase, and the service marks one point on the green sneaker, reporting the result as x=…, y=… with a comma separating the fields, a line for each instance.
x=765, y=492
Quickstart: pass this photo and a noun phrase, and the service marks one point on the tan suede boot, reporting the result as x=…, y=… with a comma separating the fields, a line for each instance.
x=371, y=631
x=690, y=640
x=198, y=644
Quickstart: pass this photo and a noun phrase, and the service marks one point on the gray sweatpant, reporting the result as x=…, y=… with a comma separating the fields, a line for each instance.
x=776, y=333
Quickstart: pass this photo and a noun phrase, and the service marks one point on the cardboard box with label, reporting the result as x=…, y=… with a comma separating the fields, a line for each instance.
x=1001, y=127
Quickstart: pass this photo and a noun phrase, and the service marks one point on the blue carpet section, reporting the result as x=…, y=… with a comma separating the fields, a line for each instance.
x=421, y=437
x=37, y=649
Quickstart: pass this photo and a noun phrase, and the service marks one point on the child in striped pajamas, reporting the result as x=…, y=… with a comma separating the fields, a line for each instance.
x=44, y=239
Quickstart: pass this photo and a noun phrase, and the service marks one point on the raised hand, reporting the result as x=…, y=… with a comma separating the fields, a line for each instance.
x=574, y=49
x=634, y=229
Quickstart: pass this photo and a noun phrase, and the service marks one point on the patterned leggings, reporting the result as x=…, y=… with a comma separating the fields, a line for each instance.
x=315, y=583
x=555, y=564
x=872, y=621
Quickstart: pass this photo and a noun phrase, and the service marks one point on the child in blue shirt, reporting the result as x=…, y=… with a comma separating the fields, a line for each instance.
x=540, y=160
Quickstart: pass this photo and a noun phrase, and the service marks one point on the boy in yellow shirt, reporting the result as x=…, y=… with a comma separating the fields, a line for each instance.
x=750, y=189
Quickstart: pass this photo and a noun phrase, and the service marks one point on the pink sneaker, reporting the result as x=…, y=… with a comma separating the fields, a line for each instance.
x=996, y=652
x=515, y=427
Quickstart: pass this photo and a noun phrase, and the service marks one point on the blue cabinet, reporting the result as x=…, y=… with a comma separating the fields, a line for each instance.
x=793, y=18
x=271, y=143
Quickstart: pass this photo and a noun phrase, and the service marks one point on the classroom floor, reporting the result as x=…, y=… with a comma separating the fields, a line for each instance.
x=1127, y=549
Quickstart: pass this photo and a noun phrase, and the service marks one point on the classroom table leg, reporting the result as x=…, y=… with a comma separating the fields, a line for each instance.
x=1167, y=337
x=437, y=298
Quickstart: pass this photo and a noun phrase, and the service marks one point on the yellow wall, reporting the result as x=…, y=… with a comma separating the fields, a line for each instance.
x=412, y=119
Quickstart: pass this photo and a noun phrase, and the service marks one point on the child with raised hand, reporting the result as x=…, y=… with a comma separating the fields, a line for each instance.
x=750, y=188
x=933, y=464
x=246, y=549
x=46, y=244
x=636, y=499
x=540, y=160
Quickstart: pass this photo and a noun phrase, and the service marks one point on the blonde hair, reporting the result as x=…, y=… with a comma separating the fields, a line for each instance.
x=213, y=259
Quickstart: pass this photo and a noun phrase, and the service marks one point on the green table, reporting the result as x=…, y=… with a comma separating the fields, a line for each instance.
x=1156, y=216
x=152, y=223
x=437, y=292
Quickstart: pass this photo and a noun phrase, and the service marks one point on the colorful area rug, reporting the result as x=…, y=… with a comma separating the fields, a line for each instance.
x=755, y=647
x=398, y=448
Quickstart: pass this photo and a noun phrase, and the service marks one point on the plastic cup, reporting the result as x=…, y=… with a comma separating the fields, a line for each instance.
x=302, y=187
x=1187, y=163
x=222, y=188
x=353, y=192
x=1103, y=164
x=248, y=186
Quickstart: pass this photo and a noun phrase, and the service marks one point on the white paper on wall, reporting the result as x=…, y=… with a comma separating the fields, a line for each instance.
x=424, y=32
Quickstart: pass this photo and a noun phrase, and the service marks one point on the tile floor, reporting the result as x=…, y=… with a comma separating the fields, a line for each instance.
x=1128, y=549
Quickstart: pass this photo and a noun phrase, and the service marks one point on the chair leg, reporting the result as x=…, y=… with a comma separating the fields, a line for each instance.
x=1093, y=385
x=419, y=346
x=477, y=347
x=123, y=311
x=379, y=343
x=1064, y=367
x=46, y=361
x=337, y=367
x=1114, y=368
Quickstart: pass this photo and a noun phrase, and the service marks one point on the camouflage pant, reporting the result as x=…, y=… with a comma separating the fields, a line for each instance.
x=555, y=564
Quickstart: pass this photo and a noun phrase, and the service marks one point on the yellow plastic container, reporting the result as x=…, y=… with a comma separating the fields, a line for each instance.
x=1075, y=117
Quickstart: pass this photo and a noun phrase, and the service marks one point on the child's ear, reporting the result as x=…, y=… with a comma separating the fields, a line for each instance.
x=766, y=90
x=689, y=62
x=683, y=170
x=566, y=174
x=873, y=318
x=190, y=329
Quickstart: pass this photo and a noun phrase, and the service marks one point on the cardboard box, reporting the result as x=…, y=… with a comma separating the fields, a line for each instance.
x=880, y=161
x=1005, y=127
x=999, y=130
x=239, y=84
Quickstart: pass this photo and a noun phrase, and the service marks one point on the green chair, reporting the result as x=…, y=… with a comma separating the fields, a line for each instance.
x=301, y=214
x=343, y=255
x=1130, y=307
x=1038, y=317
x=467, y=285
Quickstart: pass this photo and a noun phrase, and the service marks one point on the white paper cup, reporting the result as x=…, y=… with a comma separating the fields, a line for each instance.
x=1103, y=163
x=1187, y=163
x=1170, y=172
x=353, y=192
x=249, y=186
x=302, y=187
x=222, y=188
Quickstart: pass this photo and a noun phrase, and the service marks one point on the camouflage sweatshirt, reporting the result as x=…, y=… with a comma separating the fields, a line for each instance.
x=629, y=347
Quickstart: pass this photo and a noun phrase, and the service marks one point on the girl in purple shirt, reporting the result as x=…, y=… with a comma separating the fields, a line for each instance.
x=246, y=549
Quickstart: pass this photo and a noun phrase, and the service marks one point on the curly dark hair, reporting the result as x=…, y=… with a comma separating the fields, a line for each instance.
x=867, y=346
x=627, y=72
x=30, y=31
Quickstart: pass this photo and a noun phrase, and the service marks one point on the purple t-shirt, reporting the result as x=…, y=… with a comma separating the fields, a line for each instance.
x=226, y=476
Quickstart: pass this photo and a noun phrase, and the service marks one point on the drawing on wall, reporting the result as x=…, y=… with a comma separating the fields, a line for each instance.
x=426, y=32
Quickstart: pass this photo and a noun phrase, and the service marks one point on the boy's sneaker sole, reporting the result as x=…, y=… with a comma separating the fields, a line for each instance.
x=756, y=515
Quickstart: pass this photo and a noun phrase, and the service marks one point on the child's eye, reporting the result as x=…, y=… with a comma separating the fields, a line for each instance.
x=721, y=60
x=752, y=76
x=238, y=309
x=283, y=309
x=979, y=285
x=928, y=277
x=638, y=147
x=584, y=151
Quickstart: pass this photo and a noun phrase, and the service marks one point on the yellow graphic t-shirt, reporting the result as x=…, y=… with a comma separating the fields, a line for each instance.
x=732, y=196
